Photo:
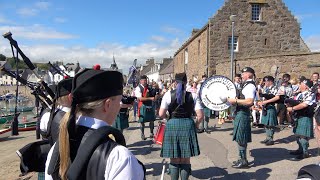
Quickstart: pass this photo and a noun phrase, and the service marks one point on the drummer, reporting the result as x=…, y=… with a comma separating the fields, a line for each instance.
x=242, y=128
x=180, y=140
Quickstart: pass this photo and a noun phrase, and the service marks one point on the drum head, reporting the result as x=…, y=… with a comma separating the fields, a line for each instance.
x=215, y=91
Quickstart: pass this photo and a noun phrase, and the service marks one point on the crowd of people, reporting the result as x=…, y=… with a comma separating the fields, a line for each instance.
x=84, y=126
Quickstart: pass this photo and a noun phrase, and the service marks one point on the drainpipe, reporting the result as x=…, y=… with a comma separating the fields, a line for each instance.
x=208, y=47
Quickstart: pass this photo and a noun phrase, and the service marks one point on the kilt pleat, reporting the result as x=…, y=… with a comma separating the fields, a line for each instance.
x=121, y=121
x=180, y=139
x=242, y=128
x=270, y=119
x=304, y=127
x=147, y=114
x=207, y=112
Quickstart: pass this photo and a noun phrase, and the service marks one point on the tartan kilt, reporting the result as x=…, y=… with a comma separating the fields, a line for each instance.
x=270, y=119
x=242, y=127
x=304, y=127
x=41, y=176
x=122, y=121
x=207, y=112
x=180, y=139
x=147, y=114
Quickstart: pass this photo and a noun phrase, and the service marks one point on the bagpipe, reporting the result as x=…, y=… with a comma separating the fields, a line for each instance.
x=305, y=112
x=282, y=99
x=54, y=70
x=36, y=88
x=26, y=60
x=33, y=155
x=128, y=99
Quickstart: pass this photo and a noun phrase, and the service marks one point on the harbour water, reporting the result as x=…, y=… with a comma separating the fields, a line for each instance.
x=5, y=107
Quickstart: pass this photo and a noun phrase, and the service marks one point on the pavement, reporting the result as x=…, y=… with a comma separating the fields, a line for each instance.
x=217, y=152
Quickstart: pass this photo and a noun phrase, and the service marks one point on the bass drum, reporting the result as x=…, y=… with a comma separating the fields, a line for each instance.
x=215, y=91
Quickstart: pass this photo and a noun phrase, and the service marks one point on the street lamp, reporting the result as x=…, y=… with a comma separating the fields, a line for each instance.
x=232, y=19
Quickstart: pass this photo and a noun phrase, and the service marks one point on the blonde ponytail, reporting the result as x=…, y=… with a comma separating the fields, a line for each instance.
x=64, y=147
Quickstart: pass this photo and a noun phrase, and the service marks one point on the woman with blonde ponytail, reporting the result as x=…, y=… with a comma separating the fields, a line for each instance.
x=84, y=149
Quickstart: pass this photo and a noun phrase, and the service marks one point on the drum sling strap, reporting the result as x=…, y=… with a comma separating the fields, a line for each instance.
x=92, y=155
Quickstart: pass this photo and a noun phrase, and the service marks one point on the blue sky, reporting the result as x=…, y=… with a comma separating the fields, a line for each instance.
x=92, y=31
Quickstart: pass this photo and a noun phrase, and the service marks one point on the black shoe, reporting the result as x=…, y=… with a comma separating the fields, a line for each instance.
x=269, y=143
x=264, y=141
x=151, y=135
x=296, y=152
x=300, y=157
x=207, y=131
x=231, y=134
x=236, y=162
x=242, y=164
x=200, y=131
x=143, y=137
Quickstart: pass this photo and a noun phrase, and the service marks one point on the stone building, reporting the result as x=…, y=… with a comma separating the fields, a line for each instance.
x=262, y=28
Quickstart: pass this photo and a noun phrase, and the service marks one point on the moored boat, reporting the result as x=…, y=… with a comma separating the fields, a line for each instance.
x=4, y=133
x=6, y=118
x=21, y=109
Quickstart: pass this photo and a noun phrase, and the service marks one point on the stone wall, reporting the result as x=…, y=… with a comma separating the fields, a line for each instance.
x=197, y=56
x=277, y=32
x=295, y=64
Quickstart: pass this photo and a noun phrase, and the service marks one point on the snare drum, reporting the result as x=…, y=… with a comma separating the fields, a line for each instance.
x=158, y=138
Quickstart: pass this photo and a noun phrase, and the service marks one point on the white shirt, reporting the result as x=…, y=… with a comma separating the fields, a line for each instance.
x=138, y=92
x=285, y=90
x=121, y=163
x=249, y=91
x=307, y=97
x=44, y=121
x=166, y=101
x=46, y=117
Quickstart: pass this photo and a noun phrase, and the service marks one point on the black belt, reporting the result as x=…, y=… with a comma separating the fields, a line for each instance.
x=180, y=116
x=242, y=108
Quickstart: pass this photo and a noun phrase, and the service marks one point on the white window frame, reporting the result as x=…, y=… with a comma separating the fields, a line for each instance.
x=256, y=12
x=186, y=56
x=236, y=43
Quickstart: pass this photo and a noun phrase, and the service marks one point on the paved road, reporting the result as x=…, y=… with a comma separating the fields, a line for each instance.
x=217, y=151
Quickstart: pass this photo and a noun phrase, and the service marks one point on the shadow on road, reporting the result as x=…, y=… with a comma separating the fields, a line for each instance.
x=258, y=131
x=220, y=173
x=10, y=138
x=143, y=147
x=263, y=156
x=286, y=140
x=260, y=174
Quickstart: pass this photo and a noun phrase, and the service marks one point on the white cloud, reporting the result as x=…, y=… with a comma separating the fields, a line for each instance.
x=60, y=20
x=42, y=5
x=171, y=30
x=101, y=54
x=158, y=38
x=35, y=32
x=313, y=43
x=34, y=9
x=27, y=12
x=302, y=17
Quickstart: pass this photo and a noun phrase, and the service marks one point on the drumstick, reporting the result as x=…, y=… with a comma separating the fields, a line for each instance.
x=162, y=174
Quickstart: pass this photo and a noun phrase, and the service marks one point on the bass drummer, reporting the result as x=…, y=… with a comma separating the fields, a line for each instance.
x=242, y=129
